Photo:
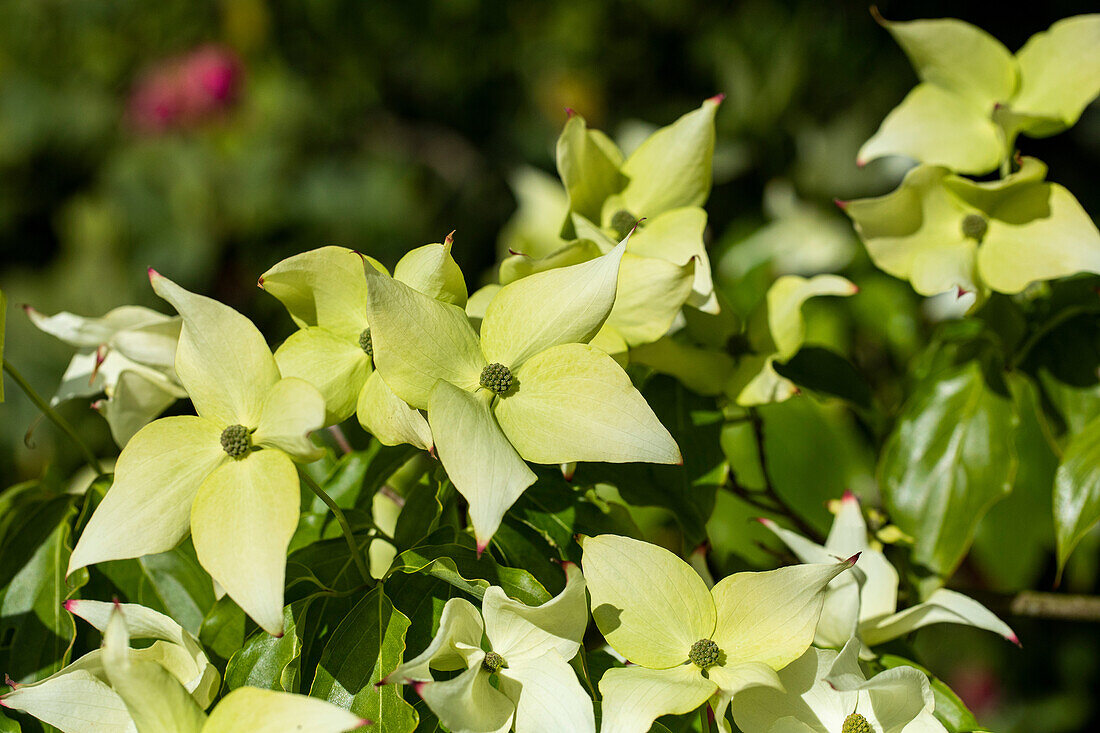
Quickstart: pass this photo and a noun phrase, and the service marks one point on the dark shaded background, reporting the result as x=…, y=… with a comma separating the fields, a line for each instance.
x=384, y=125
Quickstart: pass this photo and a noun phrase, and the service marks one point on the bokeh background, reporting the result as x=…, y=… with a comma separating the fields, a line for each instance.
x=210, y=139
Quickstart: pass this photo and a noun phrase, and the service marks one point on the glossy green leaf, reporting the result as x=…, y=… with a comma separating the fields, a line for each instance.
x=1077, y=490
x=271, y=662
x=367, y=645
x=950, y=458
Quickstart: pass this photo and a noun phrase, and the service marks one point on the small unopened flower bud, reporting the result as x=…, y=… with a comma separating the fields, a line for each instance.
x=856, y=723
x=237, y=441
x=704, y=654
x=974, y=226
x=496, y=378
x=622, y=221
x=493, y=662
x=365, y=343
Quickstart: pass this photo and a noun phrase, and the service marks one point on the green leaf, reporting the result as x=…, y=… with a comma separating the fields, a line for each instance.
x=271, y=662
x=820, y=370
x=1077, y=490
x=950, y=457
x=453, y=559
x=171, y=582
x=222, y=631
x=36, y=630
x=367, y=645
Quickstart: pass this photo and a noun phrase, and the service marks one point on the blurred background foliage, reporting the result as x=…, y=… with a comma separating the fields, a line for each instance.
x=210, y=139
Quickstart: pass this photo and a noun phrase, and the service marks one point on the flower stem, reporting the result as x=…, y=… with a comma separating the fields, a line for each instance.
x=356, y=555
x=53, y=415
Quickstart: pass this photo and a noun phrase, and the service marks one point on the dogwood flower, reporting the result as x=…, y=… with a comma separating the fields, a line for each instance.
x=867, y=607
x=326, y=294
x=79, y=698
x=689, y=644
x=943, y=232
x=529, y=388
x=226, y=474
x=975, y=97
x=826, y=692
x=120, y=690
x=127, y=354
x=521, y=677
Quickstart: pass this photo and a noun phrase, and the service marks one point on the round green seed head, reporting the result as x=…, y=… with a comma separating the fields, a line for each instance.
x=496, y=378
x=704, y=654
x=856, y=723
x=622, y=221
x=237, y=441
x=493, y=662
x=974, y=226
x=365, y=343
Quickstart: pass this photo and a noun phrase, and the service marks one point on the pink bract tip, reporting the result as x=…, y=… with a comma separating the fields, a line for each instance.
x=849, y=496
x=566, y=564
x=450, y=238
x=365, y=721
x=153, y=273
x=1014, y=639
x=68, y=605
x=841, y=204
x=853, y=559
x=514, y=252
x=260, y=281
x=960, y=292
x=861, y=162
x=717, y=98
x=765, y=521
x=417, y=687
x=481, y=548
x=570, y=112
x=10, y=683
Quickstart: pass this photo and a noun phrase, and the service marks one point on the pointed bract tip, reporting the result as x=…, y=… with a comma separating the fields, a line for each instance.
x=450, y=238
x=961, y=292
x=68, y=605
x=10, y=683
x=260, y=282
x=861, y=162
x=279, y=635
x=717, y=98
x=849, y=496
x=568, y=474
x=877, y=15
x=853, y=559
x=570, y=113
x=481, y=547
x=418, y=688
x=841, y=204
x=153, y=273
x=28, y=308
x=702, y=549
x=765, y=521
x=1015, y=640
x=516, y=253
x=365, y=722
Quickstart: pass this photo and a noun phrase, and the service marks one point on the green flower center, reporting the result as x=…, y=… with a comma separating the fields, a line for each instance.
x=237, y=441
x=704, y=654
x=622, y=222
x=365, y=343
x=496, y=378
x=856, y=723
x=974, y=226
x=493, y=662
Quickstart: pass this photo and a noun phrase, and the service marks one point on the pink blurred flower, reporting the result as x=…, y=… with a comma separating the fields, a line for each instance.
x=187, y=90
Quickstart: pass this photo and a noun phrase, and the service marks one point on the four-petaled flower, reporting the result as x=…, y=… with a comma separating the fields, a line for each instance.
x=530, y=388
x=688, y=644
x=227, y=474
x=523, y=677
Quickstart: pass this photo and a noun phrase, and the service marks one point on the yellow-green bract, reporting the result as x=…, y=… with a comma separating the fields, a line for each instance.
x=567, y=402
x=975, y=97
x=177, y=473
x=529, y=650
x=653, y=608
